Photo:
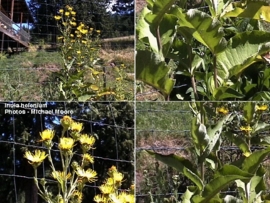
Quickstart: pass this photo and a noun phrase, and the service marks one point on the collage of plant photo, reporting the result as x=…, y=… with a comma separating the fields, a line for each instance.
x=134, y=101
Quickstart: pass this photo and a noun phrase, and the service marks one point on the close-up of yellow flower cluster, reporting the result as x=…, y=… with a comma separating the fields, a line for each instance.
x=71, y=183
x=110, y=190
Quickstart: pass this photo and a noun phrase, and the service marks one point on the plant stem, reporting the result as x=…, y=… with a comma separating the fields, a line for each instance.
x=215, y=71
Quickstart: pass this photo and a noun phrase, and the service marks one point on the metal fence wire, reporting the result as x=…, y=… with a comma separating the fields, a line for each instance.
x=20, y=128
x=164, y=127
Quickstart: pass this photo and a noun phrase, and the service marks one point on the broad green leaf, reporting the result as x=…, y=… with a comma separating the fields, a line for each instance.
x=243, y=50
x=223, y=93
x=238, y=141
x=152, y=70
x=251, y=163
x=249, y=111
x=261, y=96
x=144, y=32
x=199, y=136
x=214, y=135
x=256, y=188
x=182, y=165
x=85, y=98
x=167, y=32
x=259, y=127
x=258, y=10
x=228, y=170
x=186, y=197
x=203, y=28
x=215, y=7
x=160, y=7
x=219, y=183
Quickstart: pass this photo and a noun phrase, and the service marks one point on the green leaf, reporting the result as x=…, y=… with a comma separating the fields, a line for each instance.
x=249, y=111
x=222, y=93
x=144, y=32
x=152, y=70
x=215, y=7
x=251, y=163
x=259, y=127
x=199, y=136
x=160, y=7
x=182, y=165
x=238, y=141
x=203, y=28
x=261, y=96
x=242, y=50
x=214, y=135
x=258, y=10
x=85, y=98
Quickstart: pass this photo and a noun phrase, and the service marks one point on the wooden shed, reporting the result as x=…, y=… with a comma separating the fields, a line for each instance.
x=14, y=17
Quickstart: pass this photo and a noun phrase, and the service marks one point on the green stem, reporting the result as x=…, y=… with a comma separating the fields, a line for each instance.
x=215, y=71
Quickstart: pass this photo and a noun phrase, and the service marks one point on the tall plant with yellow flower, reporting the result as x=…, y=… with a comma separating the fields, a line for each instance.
x=81, y=78
x=72, y=176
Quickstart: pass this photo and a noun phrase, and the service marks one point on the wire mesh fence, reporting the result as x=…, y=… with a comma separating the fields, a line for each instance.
x=165, y=128
x=21, y=124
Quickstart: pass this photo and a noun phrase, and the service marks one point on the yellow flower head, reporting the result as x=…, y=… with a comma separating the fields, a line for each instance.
x=118, y=177
x=88, y=158
x=89, y=174
x=75, y=126
x=66, y=143
x=100, y=198
x=79, y=52
x=98, y=31
x=73, y=23
x=73, y=13
x=60, y=175
x=66, y=121
x=61, y=37
x=246, y=128
x=61, y=11
x=47, y=134
x=36, y=158
x=222, y=110
x=83, y=31
x=86, y=140
x=67, y=13
x=57, y=17
x=128, y=198
x=106, y=189
x=261, y=108
x=69, y=7
x=77, y=195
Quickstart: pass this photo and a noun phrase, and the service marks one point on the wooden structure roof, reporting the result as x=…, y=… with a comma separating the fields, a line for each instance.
x=17, y=8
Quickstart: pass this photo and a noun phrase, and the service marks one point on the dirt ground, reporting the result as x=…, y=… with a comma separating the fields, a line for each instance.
x=139, y=5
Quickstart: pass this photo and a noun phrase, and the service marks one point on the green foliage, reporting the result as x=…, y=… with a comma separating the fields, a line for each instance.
x=213, y=126
x=213, y=49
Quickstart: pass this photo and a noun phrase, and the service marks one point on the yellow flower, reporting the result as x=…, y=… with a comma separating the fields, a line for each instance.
x=57, y=17
x=222, y=110
x=83, y=31
x=91, y=29
x=35, y=159
x=85, y=139
x=89, y=174
x=246, y=128
x=61, y=37
x=61, y=11
x=67, y=13
x=106, y=189
x=60, y=175
x=128, y=198
x=77, y=195
x=47, y=134
x=84, y=41
x=73, y=23
x=261, y=108
x=88, y=158
x=79, y=52
x=69, y=8
x=100, y=198
x=66, y=121
x=75, y=126
x=73, y=13
x=98, y=31
x=118, y=177
x=66, y=143
x=72, y=41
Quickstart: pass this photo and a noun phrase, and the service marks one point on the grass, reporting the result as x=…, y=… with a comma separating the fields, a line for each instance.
x=27, y=76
